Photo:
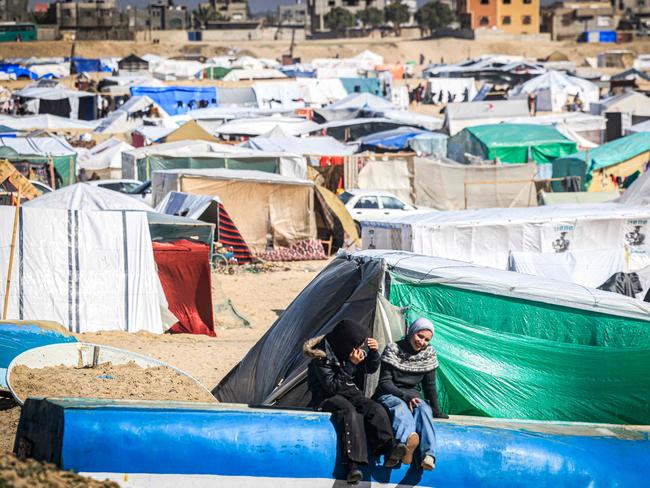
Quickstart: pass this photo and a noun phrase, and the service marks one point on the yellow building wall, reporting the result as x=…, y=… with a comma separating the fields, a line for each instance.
x=517, y=10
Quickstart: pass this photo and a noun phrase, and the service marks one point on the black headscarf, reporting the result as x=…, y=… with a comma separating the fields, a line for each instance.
x=346, y=336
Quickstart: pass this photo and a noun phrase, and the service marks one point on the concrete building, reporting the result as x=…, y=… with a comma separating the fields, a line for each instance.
x=98, y=19
x=164, y=15
x=570, y=19
x=234, y=10
x=13, y=10
x=319, y=8
x=509, y=16
x=296, y=14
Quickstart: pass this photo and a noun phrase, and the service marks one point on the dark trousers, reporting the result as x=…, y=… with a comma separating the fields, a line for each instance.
x=360, y=422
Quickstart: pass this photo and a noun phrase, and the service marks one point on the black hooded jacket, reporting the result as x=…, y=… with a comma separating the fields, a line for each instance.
x=327, y=376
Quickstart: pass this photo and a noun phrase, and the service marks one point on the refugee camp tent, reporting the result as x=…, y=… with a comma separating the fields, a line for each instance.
x=371, y=86
x=406, y=139
x=257, y=126
x=451, y=186
x=555, y=89
x=616, y=159
x=640, y=127
x=638, y=192
x=461, y=115
x=586, y=268
x=259, y=203
x=354, y=129
x=208, y=209
x=74, y=104
x=308, y=146
x=445, y=90
x=510, y=143
x=411, y=119
x=317, y=92
x=130, y=115
x=47, y=122
x=179, y=99
x=89, y=271
x=191, y=130
x=50, y=70
x=560, y=198
x=253, y=74
x=486, y=236
x=176, y=69
x=133, y=64
x=361, y=101
x=88, y=65
x=633, y=103
x=285, y=94
x=42, y=150
x=586, y=130
x=105, y=159
x=139, y=163
x=497, y=334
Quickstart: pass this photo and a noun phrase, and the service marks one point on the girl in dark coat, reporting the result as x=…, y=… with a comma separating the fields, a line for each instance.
x=340, y=360
x=407, y=366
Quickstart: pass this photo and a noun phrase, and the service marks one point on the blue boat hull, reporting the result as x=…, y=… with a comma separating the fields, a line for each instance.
x=155, y=444
x=19, y=336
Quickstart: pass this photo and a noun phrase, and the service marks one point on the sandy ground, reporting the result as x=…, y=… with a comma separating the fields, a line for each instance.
x=261, y=297
x=393, y=49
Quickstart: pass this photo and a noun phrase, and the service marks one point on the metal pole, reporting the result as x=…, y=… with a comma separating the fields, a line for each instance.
x=11, y=258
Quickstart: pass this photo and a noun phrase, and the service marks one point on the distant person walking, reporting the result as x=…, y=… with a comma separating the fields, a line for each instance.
x=532, y=103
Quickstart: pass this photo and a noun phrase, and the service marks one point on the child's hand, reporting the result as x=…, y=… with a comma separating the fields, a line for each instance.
x=373, y=345
x=357, y=355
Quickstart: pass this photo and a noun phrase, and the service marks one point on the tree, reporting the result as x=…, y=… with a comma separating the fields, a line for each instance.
x=339, y=19
x=434, y=15
x=371, y=16
x=204, y=14
x=397, y=13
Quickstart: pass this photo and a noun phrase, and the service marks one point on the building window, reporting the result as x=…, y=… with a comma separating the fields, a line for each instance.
x=528, y=2
x=484, y=21
x=506, y=20
x=506, y=2
x=485, y=2
x=640, y=3
x=526, y=20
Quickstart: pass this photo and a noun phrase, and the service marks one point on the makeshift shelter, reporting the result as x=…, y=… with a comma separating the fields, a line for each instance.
x=176, y=100
x=406, y=139
x=208, y=209
x=284, y=94
x=60, y=101
x=176, y=69
x=190, y=130
x=307, y=146
x=459, y=116
x=243, y=97
x=184, y=271
x=510, y=143
x=448, y=186
x=131, y=115
x=53, y=151
x=89, y=271
x=105, y=159
x=486, y=236
x=497, y=334
x=133, y=64
x=356, y=128
x=86, y=65
x=47, y=122
x=291, y=126
x=371, y=86
x=214, y=72
x=609, y=165
x=554, y=89
x=447, y=90
x=260, y=203
x=635, y=104
x=638, y=193
x=361, y=101
x=253, y=74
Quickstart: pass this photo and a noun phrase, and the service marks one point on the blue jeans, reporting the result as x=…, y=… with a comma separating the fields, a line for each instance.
x=406, y=422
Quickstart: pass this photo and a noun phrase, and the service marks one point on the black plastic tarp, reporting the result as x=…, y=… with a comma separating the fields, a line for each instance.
x=273, y=371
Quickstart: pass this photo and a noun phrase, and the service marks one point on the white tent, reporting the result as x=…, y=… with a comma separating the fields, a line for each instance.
x=46, y=122
x=254, y=74
x=83, y=196
x=35, y=95
x=263, y=125
x=553, y=89
x=58, y=70
x=486, y=236
x=130, y=115
x=284, y=94
x=175, y=69
x=459, y=116
x=639, y=192
x=90, y=271
x=319, y=92
x=444, y=90
x=362, y=101
x=633, y=103
x=311, y=146
x=105, y=158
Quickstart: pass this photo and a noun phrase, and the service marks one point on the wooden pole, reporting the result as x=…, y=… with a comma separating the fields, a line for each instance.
x=11, y=258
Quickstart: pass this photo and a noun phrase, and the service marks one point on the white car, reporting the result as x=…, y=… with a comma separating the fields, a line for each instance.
x=376, y=205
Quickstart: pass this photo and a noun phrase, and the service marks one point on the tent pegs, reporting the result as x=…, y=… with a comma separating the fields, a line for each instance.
x=11, y=258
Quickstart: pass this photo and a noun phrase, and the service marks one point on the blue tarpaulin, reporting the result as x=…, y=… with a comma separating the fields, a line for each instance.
x=178, y=99
x=18, y=70
x=363, y=85
x=395, y=139
x=84, y=65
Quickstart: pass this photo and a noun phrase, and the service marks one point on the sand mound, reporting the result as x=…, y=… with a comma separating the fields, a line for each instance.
x=117, y=382
x=32, y=474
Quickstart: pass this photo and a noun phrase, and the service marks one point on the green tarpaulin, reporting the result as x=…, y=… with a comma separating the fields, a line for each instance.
x=215, y=72
x=507, y=357
x=511, y=143
x=64, y=165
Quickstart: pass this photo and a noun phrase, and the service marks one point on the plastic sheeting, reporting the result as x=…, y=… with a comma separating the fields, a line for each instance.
x=89, y=271
x=184, y=270
x=587, y=268
x=42, y=150
x=362, y=85
x=310, y=146
x=257, y=126
x=284, y=94
x=486, y=236
x=452, y=89
x=502, y=357
x=458, y=116
x=511, y=143
x=176, y=99
x=449, y=186
x=553, y=89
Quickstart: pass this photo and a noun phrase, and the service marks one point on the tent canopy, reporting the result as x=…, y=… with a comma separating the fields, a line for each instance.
x=511, y=143
x=554, y=88
x=361, y=101
x=178, y=99
x=313, y=146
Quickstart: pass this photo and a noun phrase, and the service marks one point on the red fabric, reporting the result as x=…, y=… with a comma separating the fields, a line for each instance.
x=184, y=270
